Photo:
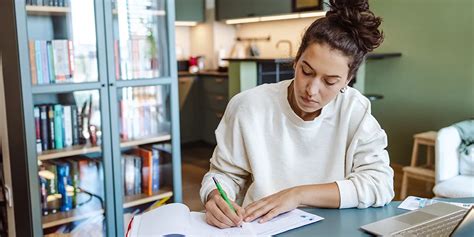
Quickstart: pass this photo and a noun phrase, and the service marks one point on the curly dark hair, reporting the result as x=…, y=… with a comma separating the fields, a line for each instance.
x=350, y=27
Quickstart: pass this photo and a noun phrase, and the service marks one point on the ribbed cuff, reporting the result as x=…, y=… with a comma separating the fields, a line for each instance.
x=348, y=194
x=208, y=185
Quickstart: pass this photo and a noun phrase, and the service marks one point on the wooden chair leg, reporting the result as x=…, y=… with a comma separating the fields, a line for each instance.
x=403, y=192
x=414, y=153
x=429, y=155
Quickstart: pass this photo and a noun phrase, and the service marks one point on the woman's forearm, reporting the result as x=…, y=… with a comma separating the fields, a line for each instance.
x=318, y=195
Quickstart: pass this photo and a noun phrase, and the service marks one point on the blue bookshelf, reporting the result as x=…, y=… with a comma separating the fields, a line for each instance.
x=92, y=109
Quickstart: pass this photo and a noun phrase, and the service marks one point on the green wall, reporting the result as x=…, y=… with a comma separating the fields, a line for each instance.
x=432, y=85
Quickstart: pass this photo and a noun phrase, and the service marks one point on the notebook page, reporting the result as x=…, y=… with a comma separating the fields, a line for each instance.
x=284, y=222
x=279, y=224
x=168, y=219
x=201, y=228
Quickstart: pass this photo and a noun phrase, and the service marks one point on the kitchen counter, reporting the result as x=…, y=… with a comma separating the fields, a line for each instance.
x=213, y=73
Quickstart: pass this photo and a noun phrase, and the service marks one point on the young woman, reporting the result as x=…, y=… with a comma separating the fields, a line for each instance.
x=307, y=141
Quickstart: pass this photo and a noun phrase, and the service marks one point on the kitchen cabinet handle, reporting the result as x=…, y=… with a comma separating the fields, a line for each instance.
x=219, y=80
x=219, y=97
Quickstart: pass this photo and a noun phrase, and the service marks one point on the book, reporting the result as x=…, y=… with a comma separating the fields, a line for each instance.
x=44, y=127
x=74, y=179
x=63, y=170
x=147, y=169
x=58, y=126
x=37, y=115
x=75, y=125
x=51, y=133
x=49, y=48
x=177, y=220
x=32, y=51
x=44, y=62
x=129, y=174
x=67, y=122
x=38, y=59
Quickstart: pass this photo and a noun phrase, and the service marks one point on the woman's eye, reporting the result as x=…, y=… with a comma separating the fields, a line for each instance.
x=305, y=72
x=329, y=83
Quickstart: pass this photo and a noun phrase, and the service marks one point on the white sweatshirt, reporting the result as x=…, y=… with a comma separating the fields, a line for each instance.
x=263, y=147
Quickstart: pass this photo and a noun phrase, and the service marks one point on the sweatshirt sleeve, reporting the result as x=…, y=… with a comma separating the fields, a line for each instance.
x=229, y=162
x=370, y=178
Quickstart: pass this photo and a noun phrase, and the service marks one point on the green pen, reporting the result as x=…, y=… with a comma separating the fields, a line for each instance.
x=223, y=195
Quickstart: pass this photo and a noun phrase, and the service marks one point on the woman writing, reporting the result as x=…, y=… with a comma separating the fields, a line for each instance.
x=307, y=141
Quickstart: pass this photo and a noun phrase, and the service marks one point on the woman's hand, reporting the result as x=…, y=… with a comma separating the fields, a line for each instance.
x=219, y=214
x=272, y=205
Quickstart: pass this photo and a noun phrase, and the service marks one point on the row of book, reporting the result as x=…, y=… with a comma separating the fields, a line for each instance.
x=136, y=58
x=145, y=169
x=61, y=126
x=53, y=3
x=51, y=61
x=142, y=112
x=69, y=183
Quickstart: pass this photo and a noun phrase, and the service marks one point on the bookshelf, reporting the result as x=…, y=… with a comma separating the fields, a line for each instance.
x=46, y=10
x=92, y=99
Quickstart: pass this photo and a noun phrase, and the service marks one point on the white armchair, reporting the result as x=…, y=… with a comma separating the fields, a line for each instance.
x=449, y=181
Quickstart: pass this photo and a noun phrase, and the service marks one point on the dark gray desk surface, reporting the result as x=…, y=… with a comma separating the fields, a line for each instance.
x=347, y=222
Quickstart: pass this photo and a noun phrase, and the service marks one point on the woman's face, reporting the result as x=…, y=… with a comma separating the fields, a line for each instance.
x=320, y=73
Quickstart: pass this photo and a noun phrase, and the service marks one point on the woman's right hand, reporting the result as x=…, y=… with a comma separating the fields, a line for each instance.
x=219, y=214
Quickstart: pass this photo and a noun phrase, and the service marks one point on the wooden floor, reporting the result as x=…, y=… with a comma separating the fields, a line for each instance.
x=196, y=163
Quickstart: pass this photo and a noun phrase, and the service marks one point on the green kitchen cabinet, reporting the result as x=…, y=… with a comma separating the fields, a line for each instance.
x=190, y=10
x=231, y=9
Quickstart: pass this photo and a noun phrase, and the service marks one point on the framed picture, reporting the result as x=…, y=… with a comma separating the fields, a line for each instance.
x=306, y=5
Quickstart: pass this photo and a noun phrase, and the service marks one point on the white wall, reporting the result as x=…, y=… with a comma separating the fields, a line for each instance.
x=291, y=30
x=182, y=40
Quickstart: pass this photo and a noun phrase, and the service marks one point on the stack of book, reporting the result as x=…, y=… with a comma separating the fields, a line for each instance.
x=69, y=183
x=53, y=3
x=61, y=126
x=143, y=169
x=51, y=61
x=142, y=112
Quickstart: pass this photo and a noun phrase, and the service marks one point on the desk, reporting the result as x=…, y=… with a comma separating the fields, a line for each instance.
x=347, y=222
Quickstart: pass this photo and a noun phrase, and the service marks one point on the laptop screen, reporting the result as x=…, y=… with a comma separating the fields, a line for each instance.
x=465, y=227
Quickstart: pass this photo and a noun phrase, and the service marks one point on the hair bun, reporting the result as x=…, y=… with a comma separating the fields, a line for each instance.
x=354, y=17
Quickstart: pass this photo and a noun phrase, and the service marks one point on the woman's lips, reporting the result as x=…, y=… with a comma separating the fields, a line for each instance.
x=308, y=100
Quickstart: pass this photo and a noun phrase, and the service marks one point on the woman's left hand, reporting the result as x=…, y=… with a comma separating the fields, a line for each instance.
x=273, y=205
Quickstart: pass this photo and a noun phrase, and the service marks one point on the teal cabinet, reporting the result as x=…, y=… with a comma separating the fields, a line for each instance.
x=190, y=10
x=231, y=9
x=203, y=100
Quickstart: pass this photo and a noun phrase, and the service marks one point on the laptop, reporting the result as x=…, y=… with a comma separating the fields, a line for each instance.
x=439, y=219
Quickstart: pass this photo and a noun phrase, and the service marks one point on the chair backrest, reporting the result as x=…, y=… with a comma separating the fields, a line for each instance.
x=446, y=154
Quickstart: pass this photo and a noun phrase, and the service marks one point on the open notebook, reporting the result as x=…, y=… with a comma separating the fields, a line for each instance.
x=176, y=220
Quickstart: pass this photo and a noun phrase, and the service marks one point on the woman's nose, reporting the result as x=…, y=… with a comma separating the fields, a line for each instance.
x=312, y=88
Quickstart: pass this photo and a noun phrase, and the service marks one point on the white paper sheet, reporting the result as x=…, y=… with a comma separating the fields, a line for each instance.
x=175, y=219
x=413, y=203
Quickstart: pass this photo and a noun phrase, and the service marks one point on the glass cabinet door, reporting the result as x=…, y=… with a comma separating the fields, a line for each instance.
x=69, y=119
x=145, y=158
x=140, y=39
x=62, y=41
x=70, y=162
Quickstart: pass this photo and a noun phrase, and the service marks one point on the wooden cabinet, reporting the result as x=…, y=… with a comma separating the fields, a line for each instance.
x=190, y=10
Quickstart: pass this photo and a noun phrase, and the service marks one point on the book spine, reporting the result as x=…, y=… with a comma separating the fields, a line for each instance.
x=39, y=65
x=52, y=181
x=52, y=77
x=32, y=51
x=74, y=180
x=44, y=127
x=117, y=59
x=44, y=62
x=58, y=126
x=75, y=125
x=44, y=195
x=37, y=115
x=71, y=58
x=51, y=134
x=67, y=126
x=156, y=171
x=63, y=175
x=129, y=176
